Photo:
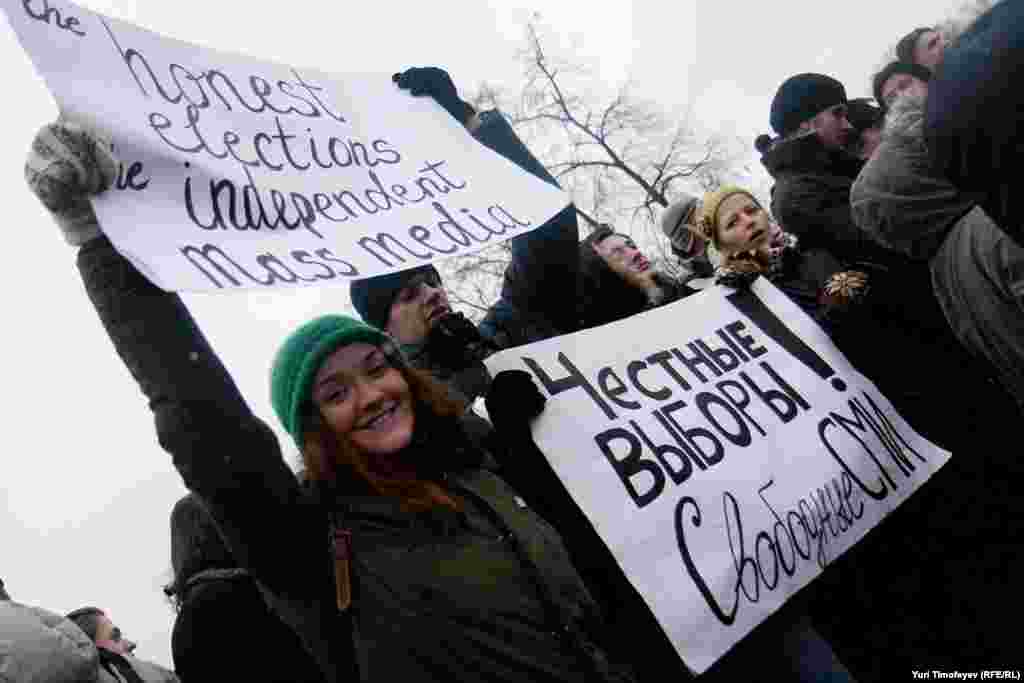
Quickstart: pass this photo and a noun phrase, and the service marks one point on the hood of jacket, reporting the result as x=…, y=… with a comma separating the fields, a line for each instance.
x=899, y=198
x=38, y=646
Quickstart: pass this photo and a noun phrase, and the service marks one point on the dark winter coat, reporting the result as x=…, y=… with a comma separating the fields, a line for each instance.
x=930, y=584
x=977, y=271
x=536, y=299
x=225, y=631
x=811, y=198
x=783, y=648
x=486, y=594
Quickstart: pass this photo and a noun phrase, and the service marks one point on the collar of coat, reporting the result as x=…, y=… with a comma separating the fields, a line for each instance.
x=803, y=152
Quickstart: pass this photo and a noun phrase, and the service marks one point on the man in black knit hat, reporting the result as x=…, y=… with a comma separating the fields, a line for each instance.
x=813, y=170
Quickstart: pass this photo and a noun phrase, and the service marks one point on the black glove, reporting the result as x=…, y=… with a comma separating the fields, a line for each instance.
x=454, y=342
x=513, y=400
x=435, y=82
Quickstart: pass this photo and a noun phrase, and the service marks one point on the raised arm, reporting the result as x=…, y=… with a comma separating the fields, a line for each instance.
x=545, y=260
x=541, y=281
x=223, y=452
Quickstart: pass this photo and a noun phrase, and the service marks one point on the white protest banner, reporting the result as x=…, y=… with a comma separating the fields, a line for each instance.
x=244, y=173
x=725, y=457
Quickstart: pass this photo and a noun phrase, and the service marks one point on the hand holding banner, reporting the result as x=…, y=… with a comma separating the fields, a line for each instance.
x=243, y=173
x=724, y=456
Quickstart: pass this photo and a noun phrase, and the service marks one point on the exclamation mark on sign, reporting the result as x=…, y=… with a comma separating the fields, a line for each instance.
x=749, y=305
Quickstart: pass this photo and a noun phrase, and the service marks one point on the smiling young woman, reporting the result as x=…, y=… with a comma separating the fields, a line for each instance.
x=351, y=401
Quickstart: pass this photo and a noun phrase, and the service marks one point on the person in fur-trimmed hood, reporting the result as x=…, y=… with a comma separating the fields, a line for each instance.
x=947, y=618
x=977, y=271
x=972, y=119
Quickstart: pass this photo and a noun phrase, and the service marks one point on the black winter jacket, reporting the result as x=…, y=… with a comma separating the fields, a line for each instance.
x=486, y=594
x=224, y=631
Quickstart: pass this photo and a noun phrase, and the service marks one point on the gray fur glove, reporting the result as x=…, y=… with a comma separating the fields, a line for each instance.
x=65, y=167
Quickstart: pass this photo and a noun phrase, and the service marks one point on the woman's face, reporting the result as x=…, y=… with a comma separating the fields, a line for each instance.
x=365, y=400
x=743, y=226
x=929, y=49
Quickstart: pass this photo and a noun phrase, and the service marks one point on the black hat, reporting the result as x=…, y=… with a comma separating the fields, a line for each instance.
x=373, y=296
x=890, y=70
x=802, y=97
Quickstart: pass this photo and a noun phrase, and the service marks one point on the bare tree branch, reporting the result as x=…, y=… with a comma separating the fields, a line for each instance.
x=619, y=157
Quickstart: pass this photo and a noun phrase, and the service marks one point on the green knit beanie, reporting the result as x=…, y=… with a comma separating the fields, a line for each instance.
x=300, y=357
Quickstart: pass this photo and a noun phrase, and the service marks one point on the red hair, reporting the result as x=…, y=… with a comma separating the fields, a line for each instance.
x=326, y=455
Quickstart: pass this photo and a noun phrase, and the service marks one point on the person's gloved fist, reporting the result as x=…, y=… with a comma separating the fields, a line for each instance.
x=436, y=83
x=67, y=165
x=513, y=399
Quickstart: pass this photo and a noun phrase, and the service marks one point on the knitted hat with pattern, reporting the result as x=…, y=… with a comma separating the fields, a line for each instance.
x=300, y=357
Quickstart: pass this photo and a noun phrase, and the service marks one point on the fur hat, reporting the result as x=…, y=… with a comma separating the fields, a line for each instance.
x=890, y=70
x=373, y=296
x=302, y=354
x=676, y=221
x=709, y=212
x=802, y=97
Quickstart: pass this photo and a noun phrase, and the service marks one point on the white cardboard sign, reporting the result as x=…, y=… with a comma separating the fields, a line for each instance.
x=238, y=172
x=725, y=457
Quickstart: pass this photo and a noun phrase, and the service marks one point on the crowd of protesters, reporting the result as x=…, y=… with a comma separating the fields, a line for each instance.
x=423, y=542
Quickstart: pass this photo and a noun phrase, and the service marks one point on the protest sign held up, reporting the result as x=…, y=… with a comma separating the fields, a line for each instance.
x=725, y=457
x=238, y=172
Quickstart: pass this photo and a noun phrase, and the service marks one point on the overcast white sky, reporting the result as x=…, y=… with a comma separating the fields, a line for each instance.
x=86, y=489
